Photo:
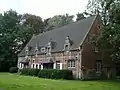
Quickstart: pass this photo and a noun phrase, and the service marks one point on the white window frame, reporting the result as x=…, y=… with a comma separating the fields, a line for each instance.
x=33, y=65
x=70, y=62
x=20, y=65
x=58, y=64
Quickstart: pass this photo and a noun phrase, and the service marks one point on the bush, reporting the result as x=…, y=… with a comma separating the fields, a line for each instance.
x=29, y=71
x=48, y=73
x=55, y=74
x=13, y=70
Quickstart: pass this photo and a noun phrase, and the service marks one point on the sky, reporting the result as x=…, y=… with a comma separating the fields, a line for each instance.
x=44, y=8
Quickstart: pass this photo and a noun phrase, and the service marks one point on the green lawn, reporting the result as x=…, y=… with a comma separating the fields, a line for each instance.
x=16, y=82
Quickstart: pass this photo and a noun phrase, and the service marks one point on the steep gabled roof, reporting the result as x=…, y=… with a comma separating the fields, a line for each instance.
x=76, y=31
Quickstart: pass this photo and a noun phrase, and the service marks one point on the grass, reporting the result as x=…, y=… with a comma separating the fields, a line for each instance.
x=17, y=82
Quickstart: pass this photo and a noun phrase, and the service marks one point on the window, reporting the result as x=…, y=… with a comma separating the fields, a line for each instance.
x=43, y=49
x=71, y=64
x=98, y=26
x=36, y=66
x=66, y=47
x=67, y=44
x=30, y=48
x=39, y=66
x=26, y=52
x=98, y=66
x=33, y=61
x=96, y=49
x=57, y=64
x=33, y=66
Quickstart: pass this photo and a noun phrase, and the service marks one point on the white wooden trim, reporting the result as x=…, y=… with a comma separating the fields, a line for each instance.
x=60, y=66
x=38, y=66
x=22, y=65
x=54, y=66
x=41, y=67
x=32, y=65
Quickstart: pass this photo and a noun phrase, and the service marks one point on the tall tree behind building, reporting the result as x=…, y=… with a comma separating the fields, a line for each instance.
x=58, y=21
x=15, y=32
x=80, y=16
x=108, y=36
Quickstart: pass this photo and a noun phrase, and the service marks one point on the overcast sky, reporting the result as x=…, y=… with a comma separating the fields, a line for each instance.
x=44, y=8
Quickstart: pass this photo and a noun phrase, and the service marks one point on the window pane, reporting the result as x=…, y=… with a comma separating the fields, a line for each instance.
x=36, y=66
x=57, y=65
x=69, y=63
x=33, y=65
x=73, y=63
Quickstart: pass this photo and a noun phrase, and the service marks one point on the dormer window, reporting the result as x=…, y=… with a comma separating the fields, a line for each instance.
x=36, y=50
x=67, y=44
x=26, y=51
x=49, y=50
x=43, y=49
x=67, y=39
x=66, y=47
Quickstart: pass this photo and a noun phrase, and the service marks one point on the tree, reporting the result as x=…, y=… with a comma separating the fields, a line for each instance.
x=101, y=7
x=8, y=29
x=108, y=37
x=15, y=32
x=58, y=21
x=80, y=16
x=34, y=21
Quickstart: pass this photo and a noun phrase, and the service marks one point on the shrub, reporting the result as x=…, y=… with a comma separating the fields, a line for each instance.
x=13, y=70
x=48, y=73
x=29, y=72
x=55, y=74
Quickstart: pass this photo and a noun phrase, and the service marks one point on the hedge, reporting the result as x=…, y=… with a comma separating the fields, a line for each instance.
x=55, y=74
x=13, y=70
x=48, y=73
x=29, y=72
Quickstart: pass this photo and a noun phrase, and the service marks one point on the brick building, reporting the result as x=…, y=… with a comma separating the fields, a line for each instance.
x=67, y=47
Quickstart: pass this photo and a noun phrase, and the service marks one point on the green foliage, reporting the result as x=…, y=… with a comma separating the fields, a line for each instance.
x=108, y=38
x=33, y=21
x=80, y=16
x=15, y=32
x=13, y=70
x=58, y=21
x=48, y=73
x=29, y=71
x=55, y=74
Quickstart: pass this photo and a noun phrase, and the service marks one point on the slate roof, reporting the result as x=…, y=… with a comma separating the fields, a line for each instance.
x=76, y=31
